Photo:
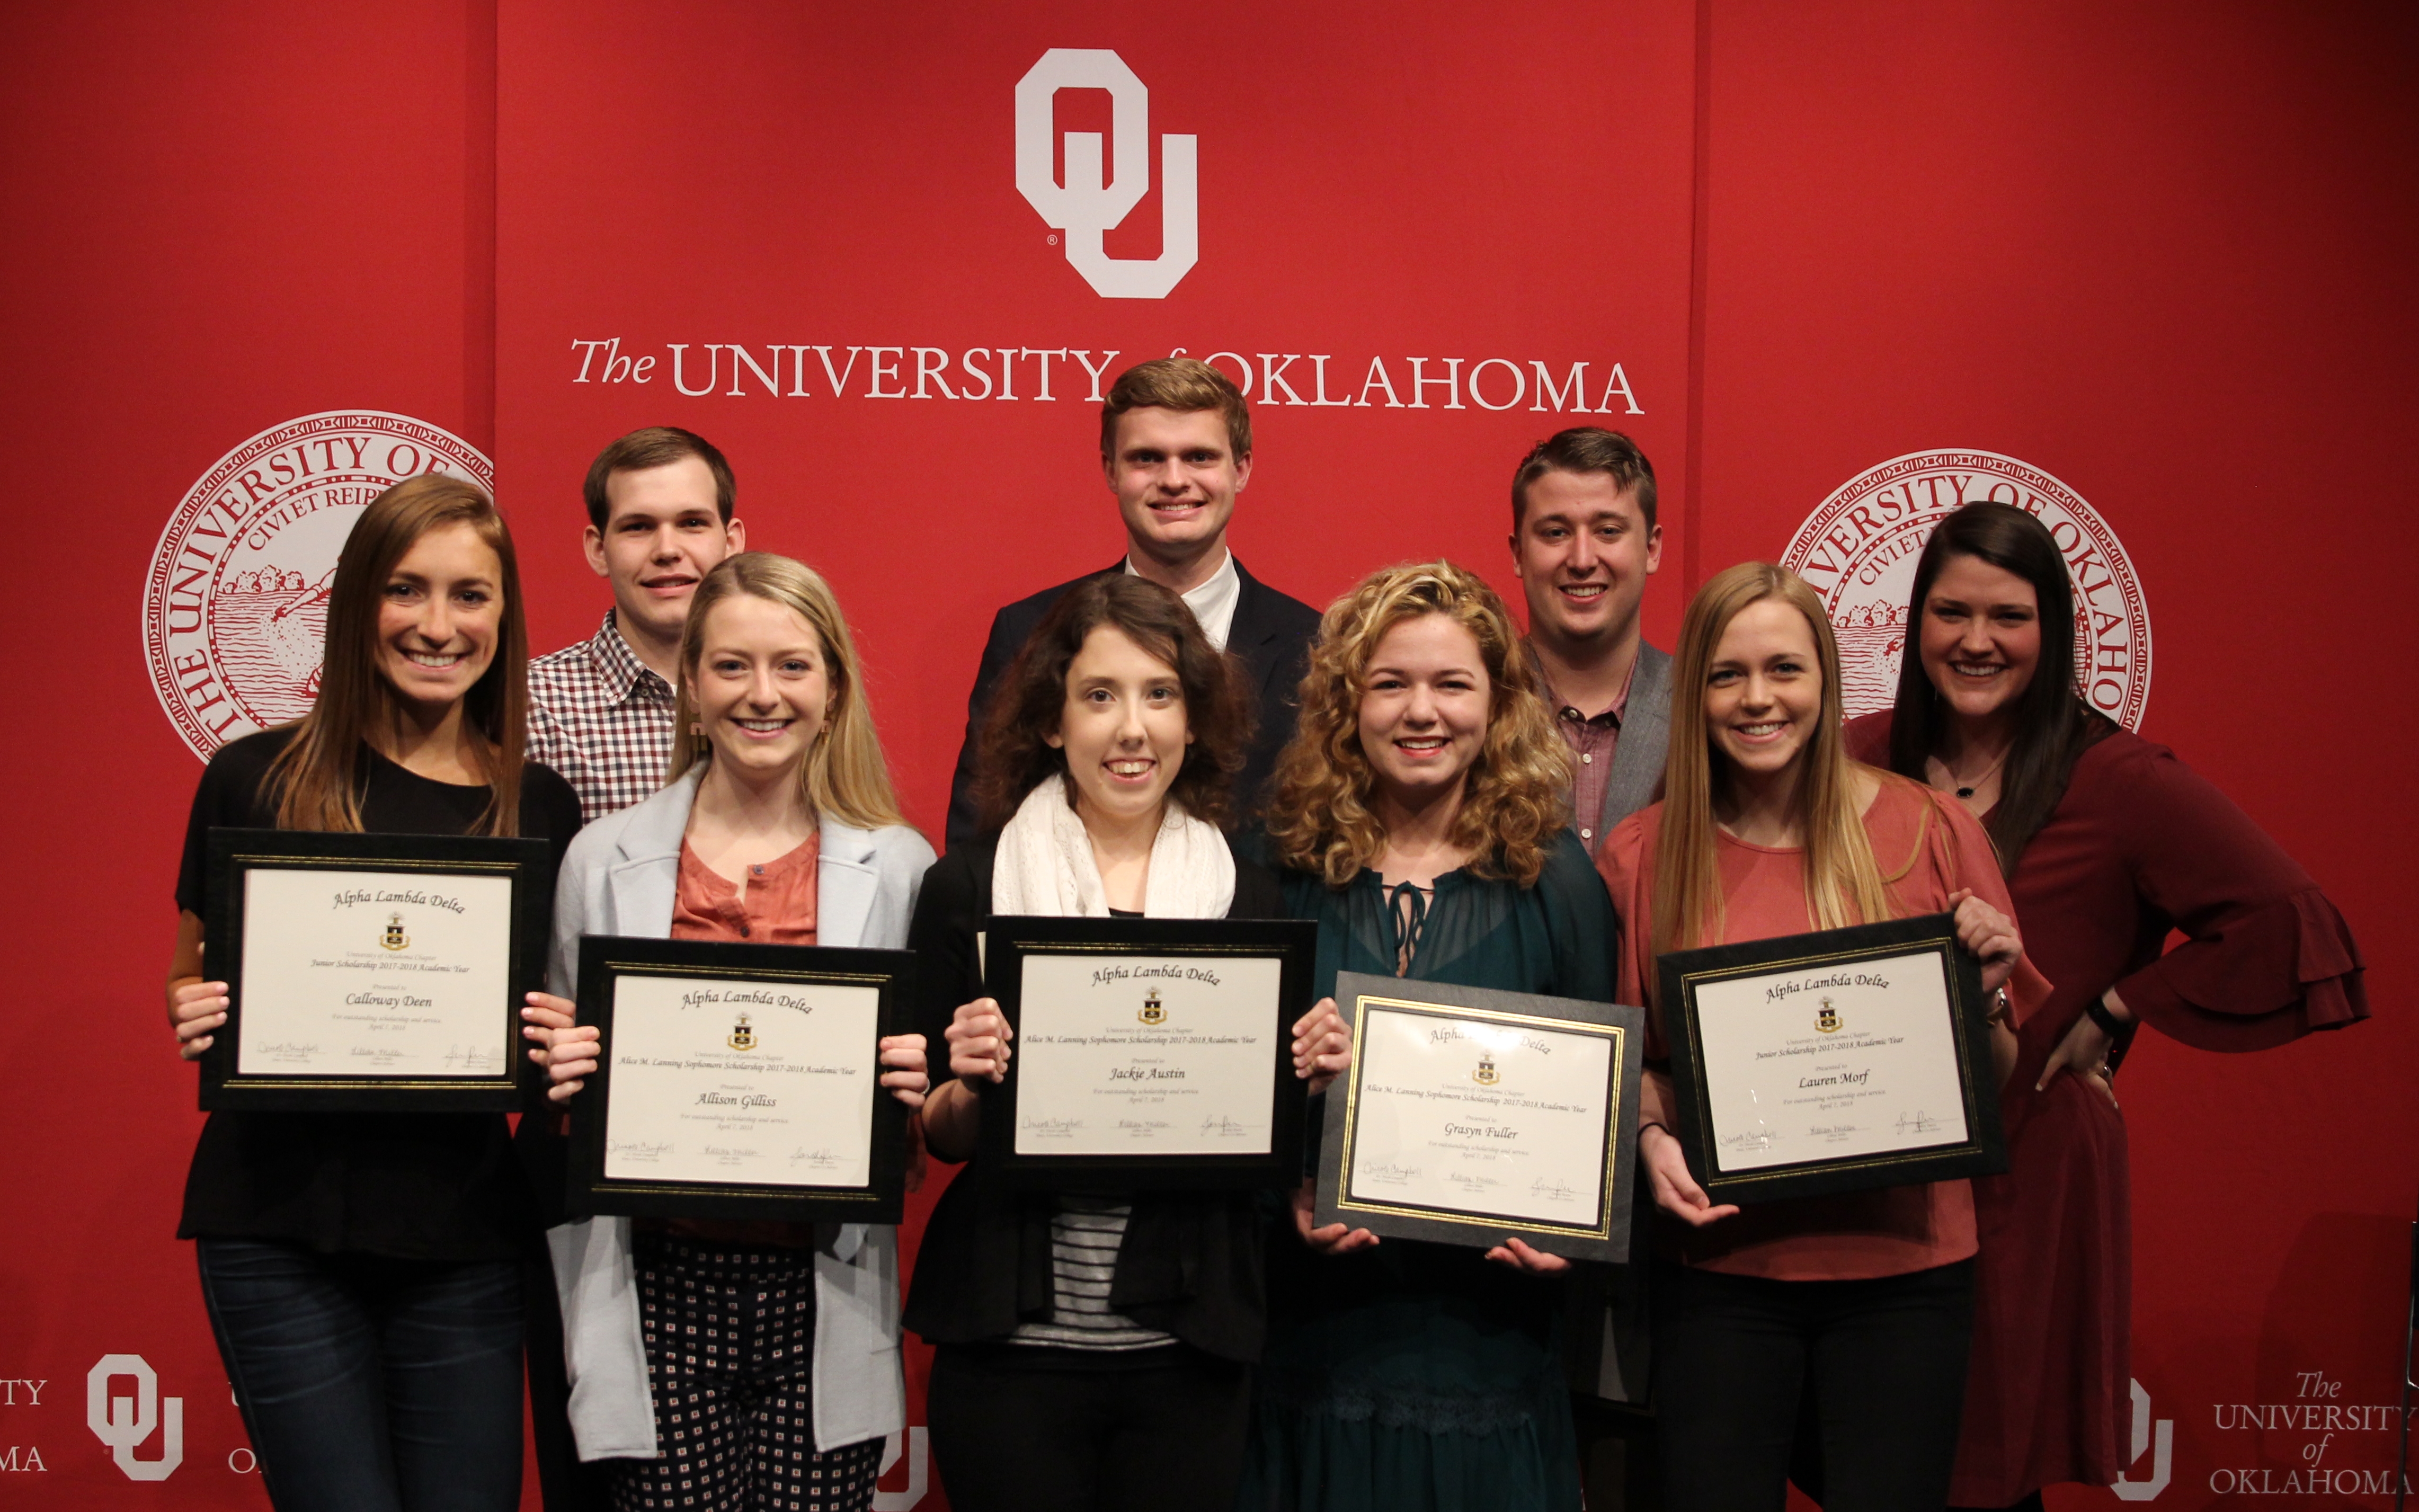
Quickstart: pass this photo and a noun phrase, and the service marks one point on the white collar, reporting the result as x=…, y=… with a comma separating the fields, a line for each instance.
x=1214, y=602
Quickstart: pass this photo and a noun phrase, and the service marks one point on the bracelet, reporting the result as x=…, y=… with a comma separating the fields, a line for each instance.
x=2002, y=1011
x=1657, y=1123
x=2097, y=1011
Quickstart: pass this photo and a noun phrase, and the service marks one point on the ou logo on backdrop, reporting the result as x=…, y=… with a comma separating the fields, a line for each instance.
x=1087, y=205
x=124, y=1422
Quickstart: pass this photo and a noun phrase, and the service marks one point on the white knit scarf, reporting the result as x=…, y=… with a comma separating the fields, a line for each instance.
x=1045, y=864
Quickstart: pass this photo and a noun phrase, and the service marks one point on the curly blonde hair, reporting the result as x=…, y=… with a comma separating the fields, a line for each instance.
x=1517, y=796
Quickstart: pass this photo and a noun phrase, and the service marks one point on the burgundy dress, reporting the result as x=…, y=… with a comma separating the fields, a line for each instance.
x=2139, y=847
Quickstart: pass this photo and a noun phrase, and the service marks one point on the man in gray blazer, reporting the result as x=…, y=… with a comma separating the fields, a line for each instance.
x=1584, y=542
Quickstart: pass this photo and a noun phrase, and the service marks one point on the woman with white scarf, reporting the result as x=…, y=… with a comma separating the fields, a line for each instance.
x=1092, y=1352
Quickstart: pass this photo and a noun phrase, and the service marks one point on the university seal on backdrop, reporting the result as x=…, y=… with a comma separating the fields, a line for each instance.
x=234, y=604
x=1859, y=552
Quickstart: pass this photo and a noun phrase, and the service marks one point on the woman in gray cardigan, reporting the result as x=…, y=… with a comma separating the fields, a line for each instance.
x=734, y=1362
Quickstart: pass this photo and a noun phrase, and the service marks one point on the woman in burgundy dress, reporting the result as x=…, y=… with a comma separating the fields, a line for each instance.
x=2108, y=842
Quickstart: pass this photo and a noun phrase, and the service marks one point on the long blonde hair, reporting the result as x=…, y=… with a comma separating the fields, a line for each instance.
x=1843, y=882
x=318, y=776
x=1517, y=798
x=844, y=774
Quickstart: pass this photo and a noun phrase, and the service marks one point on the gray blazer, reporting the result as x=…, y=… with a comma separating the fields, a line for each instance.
x=1637, y=774
x=618, y=878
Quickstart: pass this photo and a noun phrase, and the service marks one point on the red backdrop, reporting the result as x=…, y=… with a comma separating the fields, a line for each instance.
x=2160, y=253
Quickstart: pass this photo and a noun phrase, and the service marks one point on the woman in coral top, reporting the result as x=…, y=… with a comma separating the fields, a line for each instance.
x=1855, y=1308
x=2108, y=843
x=720, y=1364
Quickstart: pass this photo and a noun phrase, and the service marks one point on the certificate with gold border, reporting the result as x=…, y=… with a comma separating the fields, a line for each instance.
x=373, y=973
x=1834, y=1061
x=1471, y=1115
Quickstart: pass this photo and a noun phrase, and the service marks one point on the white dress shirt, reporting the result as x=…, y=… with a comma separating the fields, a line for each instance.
x=1214, y=603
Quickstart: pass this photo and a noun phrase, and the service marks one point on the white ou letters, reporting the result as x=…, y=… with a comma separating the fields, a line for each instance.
x=124, y=1422
x=1088, y=204
x=2161, y=1462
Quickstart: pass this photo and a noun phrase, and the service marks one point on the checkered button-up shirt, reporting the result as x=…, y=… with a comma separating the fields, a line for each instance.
x=603, y=718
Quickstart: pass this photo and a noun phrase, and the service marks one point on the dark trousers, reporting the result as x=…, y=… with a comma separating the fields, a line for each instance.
x=565, y=1484
x=371, y=1385
x=1879, y=1365
x=1165, y=1436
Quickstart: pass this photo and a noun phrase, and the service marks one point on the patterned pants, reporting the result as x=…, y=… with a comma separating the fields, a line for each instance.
x=731, y=1336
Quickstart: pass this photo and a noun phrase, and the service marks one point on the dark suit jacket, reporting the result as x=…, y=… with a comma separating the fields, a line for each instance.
x=1271, y=635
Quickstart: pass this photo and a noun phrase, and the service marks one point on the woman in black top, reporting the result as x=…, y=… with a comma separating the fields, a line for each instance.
x=359, y=1269
x=1092, y=1352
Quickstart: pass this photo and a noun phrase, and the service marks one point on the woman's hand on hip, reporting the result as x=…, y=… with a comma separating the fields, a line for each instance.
x=903, y=1068
x=2084, y=1054
x=1322, y=1046
x=1990, y=934
x=1676, y=1192
x=977, y=1037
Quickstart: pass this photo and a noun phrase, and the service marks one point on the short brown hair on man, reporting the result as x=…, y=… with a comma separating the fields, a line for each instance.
x=1184, y=385
x=1032, y=698
x=1586, y=449
x=653, y=447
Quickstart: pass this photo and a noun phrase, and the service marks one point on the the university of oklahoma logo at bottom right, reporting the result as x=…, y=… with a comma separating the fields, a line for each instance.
x=1858, y=549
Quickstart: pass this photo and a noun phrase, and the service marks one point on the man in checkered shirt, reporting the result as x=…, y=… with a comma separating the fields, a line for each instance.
x=659, y=505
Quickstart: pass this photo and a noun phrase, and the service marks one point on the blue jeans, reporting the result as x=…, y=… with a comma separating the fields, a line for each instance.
x=371, y=1385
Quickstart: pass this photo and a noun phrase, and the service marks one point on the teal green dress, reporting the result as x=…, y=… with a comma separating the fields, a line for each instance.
x=1416, y=1377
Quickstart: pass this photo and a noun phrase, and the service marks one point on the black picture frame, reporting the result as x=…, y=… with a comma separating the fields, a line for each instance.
x=234, y=853
x=1010, y=940
x=1982, y=1150
x=606, y=961
x=1607, y=1239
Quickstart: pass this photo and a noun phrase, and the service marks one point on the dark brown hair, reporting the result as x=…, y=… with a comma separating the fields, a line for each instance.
x=320, y=771
x=657, y=446
x=2053, y=726
x=1181, y=384
x=1586, y=449
x=1032, y=698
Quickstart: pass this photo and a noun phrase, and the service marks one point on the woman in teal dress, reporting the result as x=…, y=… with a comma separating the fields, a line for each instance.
x=1419, y=817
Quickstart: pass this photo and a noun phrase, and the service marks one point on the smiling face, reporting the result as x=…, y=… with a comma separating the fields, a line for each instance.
x=1176, y=476
x=1583, y=552
x=1980, y=636
x=762, y=683
x=1764, y=689
x=1425, y=701
x=1122, y=728
x=440, y=614
x=663, y=532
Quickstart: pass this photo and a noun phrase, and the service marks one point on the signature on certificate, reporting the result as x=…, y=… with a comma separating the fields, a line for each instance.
x=1917, y=1123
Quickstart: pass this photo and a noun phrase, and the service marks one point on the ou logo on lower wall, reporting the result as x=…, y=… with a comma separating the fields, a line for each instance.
x=123, y=1423
x=1087, y=205
x=1859, y=550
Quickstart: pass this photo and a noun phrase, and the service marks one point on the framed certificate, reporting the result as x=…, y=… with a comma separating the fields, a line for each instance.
x=1148, y=1053
x=740, y=1081
x=373, y=973
x=1470, y=1115
x=1833, y=1061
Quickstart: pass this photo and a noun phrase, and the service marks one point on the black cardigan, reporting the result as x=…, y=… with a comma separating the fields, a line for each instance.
x=1192, y=1263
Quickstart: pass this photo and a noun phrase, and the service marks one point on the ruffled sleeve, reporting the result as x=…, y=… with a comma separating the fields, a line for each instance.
x=2267, y=958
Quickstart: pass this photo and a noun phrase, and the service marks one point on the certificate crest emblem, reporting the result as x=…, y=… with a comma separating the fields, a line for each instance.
x=1485, y=1076
x=743, y=1036
x=1152, y=1014
x=1827, y=1018
x=395, y=938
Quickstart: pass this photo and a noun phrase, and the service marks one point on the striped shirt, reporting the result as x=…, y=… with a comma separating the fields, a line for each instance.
x=603, y=718
x=1084, y=1236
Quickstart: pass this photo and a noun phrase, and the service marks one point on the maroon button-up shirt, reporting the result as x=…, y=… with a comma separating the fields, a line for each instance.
x=1591, y=738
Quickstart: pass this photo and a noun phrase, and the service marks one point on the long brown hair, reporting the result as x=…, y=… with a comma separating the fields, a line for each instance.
x=1843, y=882
x=844, y=774
x=1517, y=798
x=320, y=772
x=2053, y=726
x=1031, y=702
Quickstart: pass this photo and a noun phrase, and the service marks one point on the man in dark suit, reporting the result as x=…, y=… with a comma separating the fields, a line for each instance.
x=1584, y=542
x=1176, y=446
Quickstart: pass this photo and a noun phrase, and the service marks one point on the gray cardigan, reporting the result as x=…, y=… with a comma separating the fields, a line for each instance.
x=618, y=878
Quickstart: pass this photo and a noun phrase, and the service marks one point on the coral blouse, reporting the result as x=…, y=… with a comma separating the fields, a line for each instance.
x=778, y=909
x=1927, y=850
